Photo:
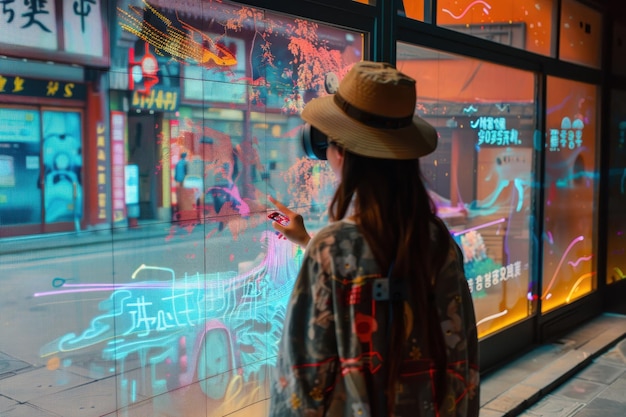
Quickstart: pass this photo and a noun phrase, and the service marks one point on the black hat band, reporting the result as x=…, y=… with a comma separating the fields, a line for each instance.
x=370, y=119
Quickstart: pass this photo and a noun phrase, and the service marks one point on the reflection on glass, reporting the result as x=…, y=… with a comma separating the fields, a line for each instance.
x=580, y=39
x=616, y=263
x=413, y=9
x=20, y=150
x=176, y=295
x=569, y=270
x=480, y=176
x=518, y=23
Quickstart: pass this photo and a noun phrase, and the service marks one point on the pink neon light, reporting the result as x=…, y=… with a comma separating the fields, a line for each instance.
x=486, y=9
x=571, y=245
x=579, y=260
x=481, y=226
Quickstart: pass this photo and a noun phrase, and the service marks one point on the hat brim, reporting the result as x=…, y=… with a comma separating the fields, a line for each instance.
x=411, y=142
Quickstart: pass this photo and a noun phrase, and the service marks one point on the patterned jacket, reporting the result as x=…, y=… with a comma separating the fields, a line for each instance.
x=334, y=338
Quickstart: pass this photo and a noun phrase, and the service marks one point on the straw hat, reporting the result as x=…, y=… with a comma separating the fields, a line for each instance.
x=372, y=114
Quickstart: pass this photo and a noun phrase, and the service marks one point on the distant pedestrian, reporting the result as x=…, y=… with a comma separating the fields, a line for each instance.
x=180, y=172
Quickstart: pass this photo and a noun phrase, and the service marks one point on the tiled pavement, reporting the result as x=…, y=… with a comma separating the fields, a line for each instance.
x=583, y=375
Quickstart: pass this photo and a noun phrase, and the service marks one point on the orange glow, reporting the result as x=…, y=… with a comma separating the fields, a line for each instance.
x=180, y=45
x=536, y=18
x=462, y=80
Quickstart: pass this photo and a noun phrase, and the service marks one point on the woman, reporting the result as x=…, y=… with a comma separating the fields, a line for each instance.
x=380, y=321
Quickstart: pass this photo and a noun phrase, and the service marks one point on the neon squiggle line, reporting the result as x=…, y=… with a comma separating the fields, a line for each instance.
x=571, y=245
x=577, y=284
x=485, y=9
x=492, y=317
x=480, y=226
x=45, y=293
x=579, y=260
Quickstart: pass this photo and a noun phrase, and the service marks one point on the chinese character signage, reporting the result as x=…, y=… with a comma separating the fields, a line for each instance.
x=32, y=87
x=493, y=131
x=29, y=23
x=34, y=23
x=118, y=161
x=570, y=136
x=158, y=99
x=82, y=23
x=102, y=170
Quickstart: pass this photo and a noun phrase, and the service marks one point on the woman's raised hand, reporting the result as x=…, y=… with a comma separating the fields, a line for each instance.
x=294, y=231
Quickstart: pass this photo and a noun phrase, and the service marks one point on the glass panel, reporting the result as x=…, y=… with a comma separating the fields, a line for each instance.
x=413, y=9
x=569, y=270
x=20, y=149
x=580, y=34
x=616, y=261
x=62, y=164
x=480, y=176
x=172, y=302
x=519, y=23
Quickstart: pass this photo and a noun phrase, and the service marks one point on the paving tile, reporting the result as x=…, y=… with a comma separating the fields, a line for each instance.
x=6, y=403
x=39, y=382
x=26, y=410
x=613, y=356
x=89, y=400
x=616, y=392
x=514, y=399
x=604, y=339
x=553, y=407
x=604, y=408
x=580, y=390
x=600, y=372
x=491, y=413
x=9, y=365
x=142, y=409
x=551, y=374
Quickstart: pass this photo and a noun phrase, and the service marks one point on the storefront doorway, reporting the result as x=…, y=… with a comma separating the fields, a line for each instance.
x=41, y=184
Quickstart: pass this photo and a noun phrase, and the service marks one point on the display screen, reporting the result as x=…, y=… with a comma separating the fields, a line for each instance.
x=173, y=302
x=569, y=267
x=481, y=174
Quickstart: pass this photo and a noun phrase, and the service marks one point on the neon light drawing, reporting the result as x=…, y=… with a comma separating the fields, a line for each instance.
x=486, y=8
x=546, y=293
x=579, y=260
x=185, y=325
x=492, y=317
x=480, y=226
x=577, y=284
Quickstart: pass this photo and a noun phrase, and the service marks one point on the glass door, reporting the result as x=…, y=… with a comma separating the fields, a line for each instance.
x=62, y=166
x=20, y=191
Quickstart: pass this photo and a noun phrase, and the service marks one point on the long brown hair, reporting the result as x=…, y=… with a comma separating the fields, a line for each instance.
x=395, y=213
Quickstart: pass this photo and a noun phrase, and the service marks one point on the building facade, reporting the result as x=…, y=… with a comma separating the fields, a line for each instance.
x=139, y=140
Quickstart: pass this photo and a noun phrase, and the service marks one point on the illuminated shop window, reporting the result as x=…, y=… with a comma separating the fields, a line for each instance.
x=519, y=23
x=569, y=241
x=580, y=34
x=616, y=261
x=480, y=176
x=177, y=308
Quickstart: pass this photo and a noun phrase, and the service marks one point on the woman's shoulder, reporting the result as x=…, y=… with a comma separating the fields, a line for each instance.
x=337, y=231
